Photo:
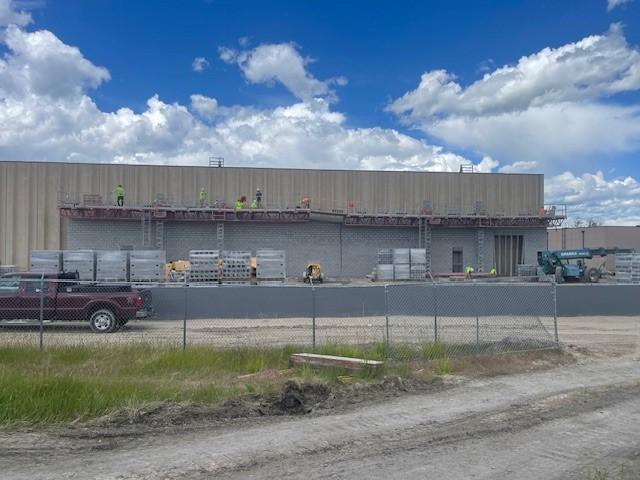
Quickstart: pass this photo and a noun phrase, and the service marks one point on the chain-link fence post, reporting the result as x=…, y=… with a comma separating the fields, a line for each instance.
x=313, y=313
x=41, y=311
x=554, y=295
x=476, y=301
x=386, y=319
x=184, y=315
x=435, y=313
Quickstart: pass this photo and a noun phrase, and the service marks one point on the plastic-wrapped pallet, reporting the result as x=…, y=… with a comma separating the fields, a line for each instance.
x=237, y=266
x=81, y=261
x=628, y=268
x=46, y=261
x=147, y=265
x=385, y=256
x=402, y=271
x=204, y=265
x=384, y=272
x=112, y=266
x=418, y=256
x=401, y=256
x=270, y=265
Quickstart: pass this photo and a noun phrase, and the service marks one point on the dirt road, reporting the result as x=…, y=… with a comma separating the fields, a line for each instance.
x=553, y=424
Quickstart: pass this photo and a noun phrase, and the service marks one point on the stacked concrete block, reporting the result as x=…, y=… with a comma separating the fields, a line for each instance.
x=81, y=261
x=48, y=261
x=112, y=266
x=237, y=266
x=402, y=263
x=204, y=265
x=147, y=265
x=628, y=268
x=270, y=265
x=523, y=270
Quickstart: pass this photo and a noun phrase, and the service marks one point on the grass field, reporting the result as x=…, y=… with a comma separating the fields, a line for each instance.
x=67, y=384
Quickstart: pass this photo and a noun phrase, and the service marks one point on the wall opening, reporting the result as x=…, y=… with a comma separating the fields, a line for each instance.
x=457, y=261
x=509, y=252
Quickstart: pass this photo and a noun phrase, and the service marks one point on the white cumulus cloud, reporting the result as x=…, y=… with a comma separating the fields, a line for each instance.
x=611, y=4
x=199, y=64
x=10, y=15
x=283, y=63
x=557, y=104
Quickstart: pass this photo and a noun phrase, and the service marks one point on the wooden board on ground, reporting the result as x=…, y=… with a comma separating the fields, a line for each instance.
x=331, y=361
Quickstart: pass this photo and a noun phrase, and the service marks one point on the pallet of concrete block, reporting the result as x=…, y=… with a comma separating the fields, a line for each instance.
x=237, y=266
x=385, y=256
x=401, y=256
x=204, y=265
x=270, y=265
x=46, y=261
x=81, y=261
x=147, y=265
x=384, y=272
x=112, y=266
x=402, y=271
x=628, y=268
x=418, y=256
x=418, y=271
x=523, y=270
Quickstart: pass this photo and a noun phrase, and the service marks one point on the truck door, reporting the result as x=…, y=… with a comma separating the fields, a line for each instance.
x=30, y=299
x=9, y=298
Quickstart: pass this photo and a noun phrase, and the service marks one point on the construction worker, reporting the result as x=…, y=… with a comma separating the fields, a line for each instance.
x=254, y=204
x=306, y=203
x=220, y=270
x=241, y=203
x=493, y=271
x=202, y=197
x=468, y=270
x=258, y=199
x=119, y=193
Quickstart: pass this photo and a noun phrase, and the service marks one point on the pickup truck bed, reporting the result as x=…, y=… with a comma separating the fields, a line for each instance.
x=59, y=297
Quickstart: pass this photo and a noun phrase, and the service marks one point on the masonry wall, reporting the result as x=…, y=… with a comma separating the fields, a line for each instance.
x=342, y=250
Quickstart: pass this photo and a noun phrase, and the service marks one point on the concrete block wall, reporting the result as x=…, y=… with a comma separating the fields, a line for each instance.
x=342, y=250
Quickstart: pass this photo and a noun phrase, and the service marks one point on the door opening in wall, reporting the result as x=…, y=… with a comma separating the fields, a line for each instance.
x=509, y=252
x=456, y=260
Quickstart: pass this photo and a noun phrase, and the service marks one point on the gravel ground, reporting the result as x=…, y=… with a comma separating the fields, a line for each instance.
x=574, y=422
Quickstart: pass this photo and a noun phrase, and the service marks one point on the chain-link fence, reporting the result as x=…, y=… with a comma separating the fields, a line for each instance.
x=402, y=321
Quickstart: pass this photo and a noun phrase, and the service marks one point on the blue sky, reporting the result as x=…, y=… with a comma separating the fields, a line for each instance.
x=335, y=85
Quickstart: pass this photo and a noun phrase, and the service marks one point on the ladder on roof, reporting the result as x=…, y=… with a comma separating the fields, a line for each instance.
x=480, y=247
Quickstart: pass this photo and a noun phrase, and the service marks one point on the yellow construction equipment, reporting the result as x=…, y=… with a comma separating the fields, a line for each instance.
x=176, y=271
x=313, y=273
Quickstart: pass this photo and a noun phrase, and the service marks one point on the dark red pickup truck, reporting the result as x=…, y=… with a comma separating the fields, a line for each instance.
x=105, y=307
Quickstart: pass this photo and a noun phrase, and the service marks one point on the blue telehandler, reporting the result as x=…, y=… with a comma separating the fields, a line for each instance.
x=556, y=262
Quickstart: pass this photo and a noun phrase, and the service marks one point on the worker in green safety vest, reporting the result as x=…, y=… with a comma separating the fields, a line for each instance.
x=493, y=271
x=119, y=193
x=240, y=204
x=202, y=197
x=254, y=204
x=468, y=270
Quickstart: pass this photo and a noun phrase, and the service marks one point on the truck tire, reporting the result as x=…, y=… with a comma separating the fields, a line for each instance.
x=559, y=277
x=103, y=321
x=593, y=275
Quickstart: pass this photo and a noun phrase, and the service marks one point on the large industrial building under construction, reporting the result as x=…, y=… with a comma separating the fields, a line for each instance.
x=465, y=218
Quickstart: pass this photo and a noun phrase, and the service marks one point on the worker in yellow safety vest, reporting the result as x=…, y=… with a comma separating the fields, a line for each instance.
x=241, y=203
x=493, y=271
x=202, y=197
x=254, y=204
x=119, y=193
x=468, y=270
